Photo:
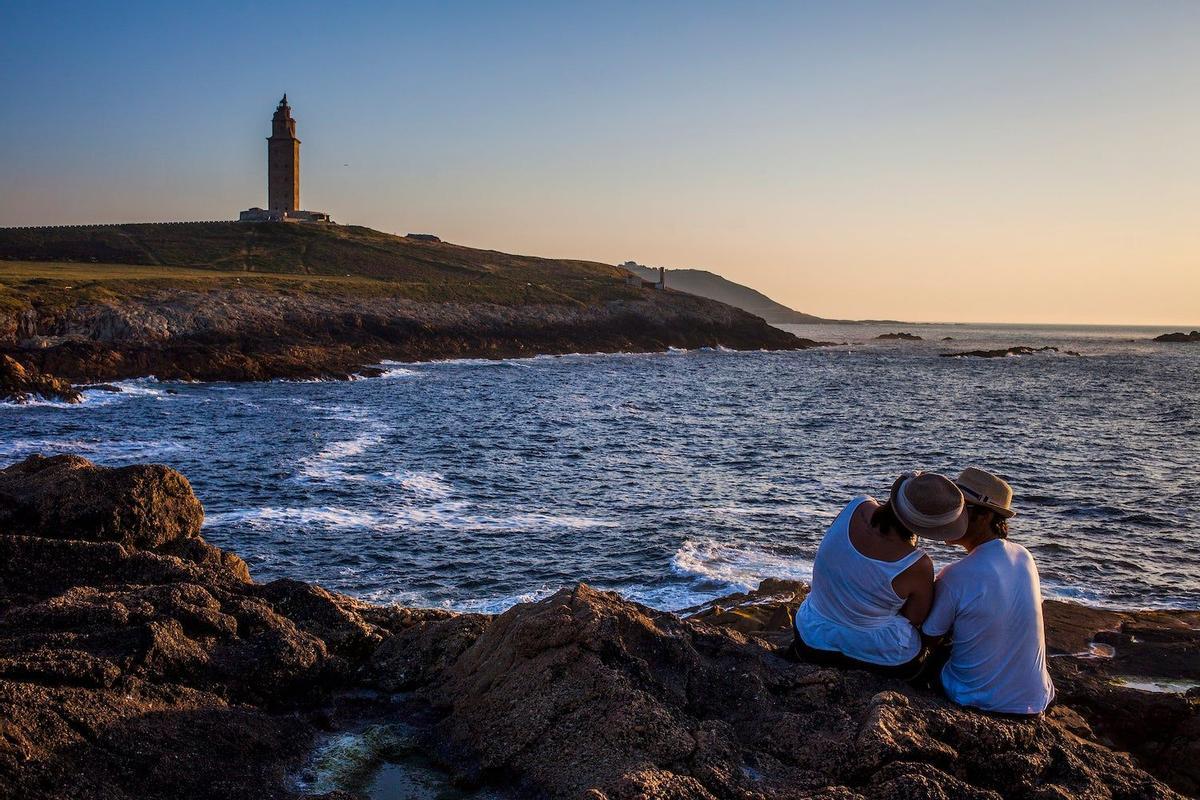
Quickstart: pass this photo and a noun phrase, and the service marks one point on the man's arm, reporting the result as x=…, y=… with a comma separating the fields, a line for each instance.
x=941, y=615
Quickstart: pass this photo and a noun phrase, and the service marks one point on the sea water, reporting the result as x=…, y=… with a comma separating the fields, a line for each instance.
x=672, y=478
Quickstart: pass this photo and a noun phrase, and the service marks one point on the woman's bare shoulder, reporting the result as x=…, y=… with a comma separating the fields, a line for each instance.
x=864, y=510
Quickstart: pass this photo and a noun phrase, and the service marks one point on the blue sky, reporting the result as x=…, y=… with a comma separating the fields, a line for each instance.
x=851, y=159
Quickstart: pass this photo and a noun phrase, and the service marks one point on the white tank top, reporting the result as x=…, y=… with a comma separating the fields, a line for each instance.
x=852, y=607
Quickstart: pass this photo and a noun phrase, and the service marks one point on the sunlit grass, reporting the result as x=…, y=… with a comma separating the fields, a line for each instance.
x=56, y=267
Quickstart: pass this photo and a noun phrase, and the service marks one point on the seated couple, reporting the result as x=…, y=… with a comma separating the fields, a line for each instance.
x=875, y=603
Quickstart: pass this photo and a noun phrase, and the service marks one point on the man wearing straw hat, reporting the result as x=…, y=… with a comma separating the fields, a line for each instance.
x=990, y=602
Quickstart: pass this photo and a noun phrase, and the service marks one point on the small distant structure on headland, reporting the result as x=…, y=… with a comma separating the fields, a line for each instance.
x=637, y=281
x=283, y=175
x=422, y=237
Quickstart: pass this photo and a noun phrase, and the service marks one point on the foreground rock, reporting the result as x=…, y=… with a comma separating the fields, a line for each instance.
x=1179, y=336
x=137, y=661
x=141, y=506
x=1005, y=352
x=1091, y=652
x=20, y=384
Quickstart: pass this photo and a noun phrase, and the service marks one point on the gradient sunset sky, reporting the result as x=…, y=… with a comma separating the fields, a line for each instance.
x=978, y=161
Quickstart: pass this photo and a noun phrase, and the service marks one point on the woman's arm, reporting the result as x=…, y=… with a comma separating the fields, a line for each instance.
x=915, y=585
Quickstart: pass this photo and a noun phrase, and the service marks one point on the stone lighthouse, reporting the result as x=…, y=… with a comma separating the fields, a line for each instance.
x=283, y=161
x=283, y=174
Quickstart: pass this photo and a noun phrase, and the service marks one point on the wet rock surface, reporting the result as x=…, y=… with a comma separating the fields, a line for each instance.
x=138, y=661
x=22, y=384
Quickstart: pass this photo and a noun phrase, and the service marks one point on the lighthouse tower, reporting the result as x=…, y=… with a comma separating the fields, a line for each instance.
x=283, y=174
x=283, y=161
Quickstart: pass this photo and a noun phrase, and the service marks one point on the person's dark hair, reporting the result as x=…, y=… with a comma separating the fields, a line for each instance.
x=884, y=519
x=999, y=524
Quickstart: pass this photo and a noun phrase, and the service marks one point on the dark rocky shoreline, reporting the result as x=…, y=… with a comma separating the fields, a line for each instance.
x=138, y=661
x=235, y=335
x=245, y=302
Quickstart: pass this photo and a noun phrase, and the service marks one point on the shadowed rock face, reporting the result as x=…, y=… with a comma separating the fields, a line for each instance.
x=239, y=334
x=585, y=694
x=1178, y=336
x=20, y=384
x=137, y=661
x=69, y=497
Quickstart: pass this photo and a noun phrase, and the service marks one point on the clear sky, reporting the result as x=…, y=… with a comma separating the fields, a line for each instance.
x=959, y=161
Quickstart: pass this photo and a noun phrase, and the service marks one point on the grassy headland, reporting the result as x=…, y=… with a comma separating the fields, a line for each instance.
x=249, y=301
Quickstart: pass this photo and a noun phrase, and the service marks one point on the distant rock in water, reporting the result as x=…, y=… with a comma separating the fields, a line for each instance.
x=908, y=337
x=1194, y=336
x=20, y=384
x=947, y=338
x=1010, y=351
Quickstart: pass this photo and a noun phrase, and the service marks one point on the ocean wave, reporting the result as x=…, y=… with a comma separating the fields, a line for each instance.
x=738, y=567
x=1111, y=601
x=425, y=484
x=454, y=515
x=391, y=373
x=38, y=402
x=108, y=452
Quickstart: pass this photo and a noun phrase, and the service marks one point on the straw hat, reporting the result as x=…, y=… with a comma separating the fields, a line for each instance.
x=930, y=505
x=982, y=488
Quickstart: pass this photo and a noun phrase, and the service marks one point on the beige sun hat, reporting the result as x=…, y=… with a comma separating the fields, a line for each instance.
x=982, y=488
x=930, y=505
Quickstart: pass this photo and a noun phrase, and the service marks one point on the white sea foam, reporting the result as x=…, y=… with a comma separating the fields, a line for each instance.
x=453, y=515
x=424, y=484
x=739, y=567
x=329, y=463
x=37, y=402
x=267, y=516
x=110, y=452
x=140, y=386
x=398, y=372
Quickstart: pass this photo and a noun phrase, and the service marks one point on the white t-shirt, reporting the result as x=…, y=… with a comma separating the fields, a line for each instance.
x=992, y=599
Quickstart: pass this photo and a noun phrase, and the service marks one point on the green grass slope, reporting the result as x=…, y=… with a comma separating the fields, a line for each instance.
x=373, y=261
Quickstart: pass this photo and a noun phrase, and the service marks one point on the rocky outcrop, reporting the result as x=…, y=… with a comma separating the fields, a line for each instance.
x=141, y=506
x=587, y=695
x=20, y=384
x=1019, y=350
x=291, y=301
x=253, y=334
x=908, y=337
x=1178, y=336
x=1091, y=651
x=136, y=664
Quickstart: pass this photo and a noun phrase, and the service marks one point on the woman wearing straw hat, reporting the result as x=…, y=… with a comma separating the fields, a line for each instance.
x=990, y=601
x=872, y=586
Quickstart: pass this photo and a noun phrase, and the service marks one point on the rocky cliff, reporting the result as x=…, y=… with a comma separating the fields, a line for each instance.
x=230, y=301
x=137, y=661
